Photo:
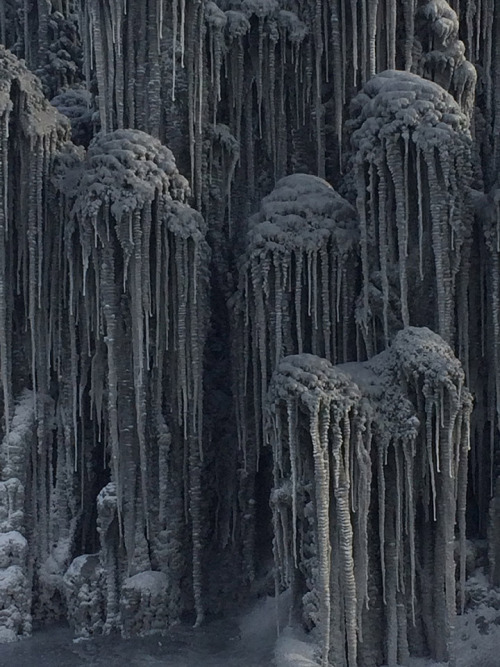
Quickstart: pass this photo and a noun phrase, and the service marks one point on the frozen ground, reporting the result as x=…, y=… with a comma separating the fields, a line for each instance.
x=214, y=645
x=248, y=641
x=245, y=642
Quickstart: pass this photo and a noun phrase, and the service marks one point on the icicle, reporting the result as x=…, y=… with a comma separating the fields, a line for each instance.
x=182, y=29
x=391, y=34
x=396, y=168
x=32, y=277
x=74, y=384
x=410, y=518
x=322, y=493
x=372, y=37
x=464, y=434
x=409, y=19
x=138, y=353
x=354, y=18
x=105, y=89
x=383, y=248
x=318, y=49
x=110, y=318
x=160, y=21
x=442, y=279
x=278, y=294
x=325, y=304
x=292, y=443
x=420, y=194
x=259, y=73
x=361, y=207
x=175, y=5
x=346, y=539
x=429, y=403
x=381, y=515
x=5, y=361
x=314, y=285
x=338, y=65
x=364, y=479
x=298, y=300
x=180, y=343
x=399, y=573
x=364, y=40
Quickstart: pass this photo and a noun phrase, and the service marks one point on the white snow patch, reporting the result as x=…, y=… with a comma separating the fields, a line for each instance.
x=147, y=582
x=294, y=652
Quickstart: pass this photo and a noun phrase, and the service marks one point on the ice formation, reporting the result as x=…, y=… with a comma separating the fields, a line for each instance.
x=295, y=292
x=76, y=104
x=136, y=262
x=443, y=54
x=370, y=471
x=84, y=593
x=121, y=331
x=133, y=458
x=412, y=162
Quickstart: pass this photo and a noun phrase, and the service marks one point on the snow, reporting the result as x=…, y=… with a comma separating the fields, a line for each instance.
x=15, y=599
x=144, y=604
x=476, y=637
x=16, y=445
x=76, y=104
x=13, y=549
x=146, y=583
x=293, y=652
x=85, y=595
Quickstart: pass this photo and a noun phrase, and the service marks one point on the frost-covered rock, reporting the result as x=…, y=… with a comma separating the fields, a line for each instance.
x=144, y=603
x=13, y=549
x=11, y=505
x=142, y=261
x=443, y=53
x=15, y=603
x=84, y=587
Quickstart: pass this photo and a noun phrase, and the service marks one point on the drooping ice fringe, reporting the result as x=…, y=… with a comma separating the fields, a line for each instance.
x=412, y=164
x=296, y=293
x=370, y=470
x=138, y=260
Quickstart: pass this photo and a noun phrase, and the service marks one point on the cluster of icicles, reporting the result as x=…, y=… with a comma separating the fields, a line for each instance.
x=369, y=459
x=370, y=474
x=103, y=284
x=103, y=280
x=296, y=63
